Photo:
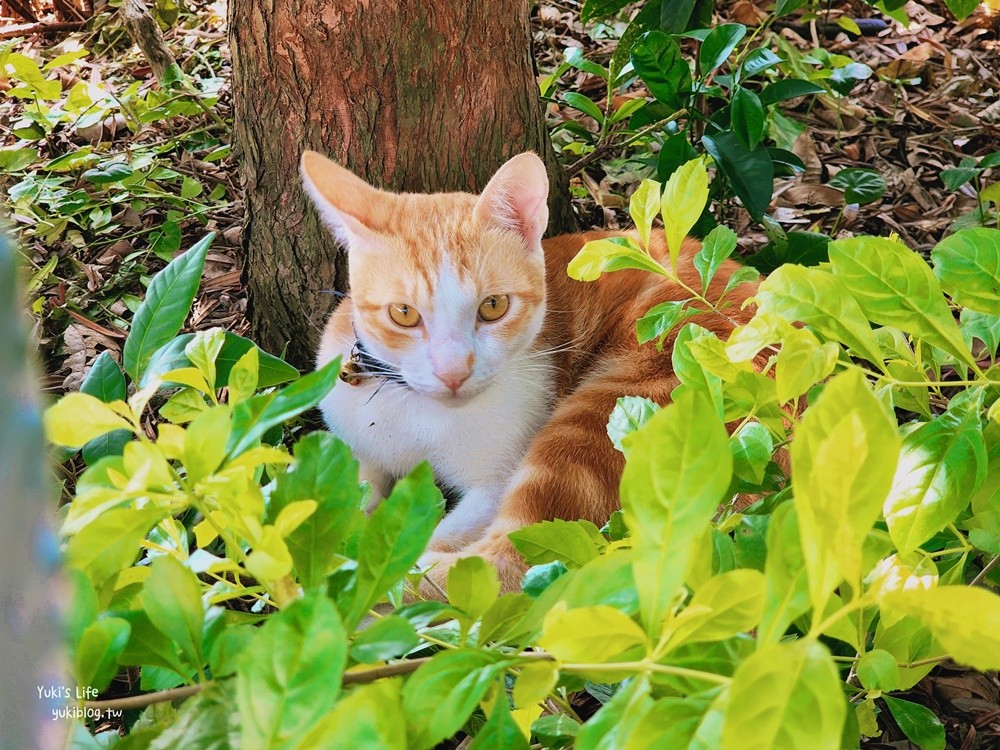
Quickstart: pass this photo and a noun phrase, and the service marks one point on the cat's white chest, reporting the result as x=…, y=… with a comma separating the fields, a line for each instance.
x=475, y=442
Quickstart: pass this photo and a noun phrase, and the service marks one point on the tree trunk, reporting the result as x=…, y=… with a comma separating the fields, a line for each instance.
x=411, y=95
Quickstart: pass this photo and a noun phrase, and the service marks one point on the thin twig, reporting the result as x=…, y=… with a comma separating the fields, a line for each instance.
x=985, y=571
x=582, y=163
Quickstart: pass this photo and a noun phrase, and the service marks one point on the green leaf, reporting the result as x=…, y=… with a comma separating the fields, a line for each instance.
x=861, y=186
x=201, y=723
x=786, y=587
x=370, y=717
x=291, y=674
x=77, y=418
x=387, y=638
x=747, y=116
x=439, y=697
x=877, y=670
x=611, y=726
x=165, y=240
x=593, y=634
x=843, y=460
x=324, y=471
x=395, y=535
x=601, y=256
x=660, y=320
x=668, y=504
x=788, y=88
x=758, y=61
x=643, y=207
x=593, y=9
x=500, y=730
x=630, y=413
x=751, y=448
x=718, y=45
x=97, y=652
x=802, y=362
x=659, y=62
x=572, y=542
x=682, y=203
x=786, y=695
x=166, y=306
x=717, y=246
x=255, y=416
x=555, y=730
x=968, y=266
x=473, y=586
x=171, y=598
x=584, y=104
x=110, y=543
x=114, y=171
x=271, y=370
x=750, y=172
x=962, y=9
x=534, y=683
x=205, y=442
x=918, y=723
x=941, y=466
x=818, y=299
x=845, y=78
x=16, y=159
x=724, y=606
x=105, y=382
x=895, y=287
x=953, y=179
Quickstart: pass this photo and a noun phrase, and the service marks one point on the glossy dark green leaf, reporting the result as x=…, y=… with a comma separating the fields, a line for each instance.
x=201, y=723
x=746, y=114
x=860, y=186
x=918, y=723
x=584, y=104
x=106, y=382
x=166, y=306
x=675, y=152
x=660, y=320
x=676, y=15
x=658, y=61
x=600, y=9
x=555, y=730
x=758, y=61
x=750, y=172
x=962, y=8
x=255, y=416
x=630, y=413
x=324, y=471
x=953, y=179
x=801, y=248
x=718, y=45
x=845, y=78
x=272, y=371
x=113, y=172
x=784, y=7
x=788, y=88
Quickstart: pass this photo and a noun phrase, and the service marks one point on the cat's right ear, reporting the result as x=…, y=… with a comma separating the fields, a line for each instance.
x=347, y=204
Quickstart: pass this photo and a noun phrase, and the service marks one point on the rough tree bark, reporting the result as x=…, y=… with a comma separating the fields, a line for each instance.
x=411, y=95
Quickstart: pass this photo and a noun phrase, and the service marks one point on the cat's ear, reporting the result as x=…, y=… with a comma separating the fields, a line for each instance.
x=517, y=198
x=348, y=205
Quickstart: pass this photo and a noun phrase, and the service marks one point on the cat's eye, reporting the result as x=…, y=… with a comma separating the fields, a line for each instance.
x=494, y=307
x=404, y=315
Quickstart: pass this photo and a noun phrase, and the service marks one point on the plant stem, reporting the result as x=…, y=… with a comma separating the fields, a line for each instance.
x=578, y=166
x=985, y=571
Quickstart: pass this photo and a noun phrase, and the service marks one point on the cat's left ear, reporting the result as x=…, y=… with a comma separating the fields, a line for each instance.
x=517, y=198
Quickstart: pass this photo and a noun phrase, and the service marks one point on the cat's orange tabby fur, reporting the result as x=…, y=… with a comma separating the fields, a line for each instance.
x=498, y=367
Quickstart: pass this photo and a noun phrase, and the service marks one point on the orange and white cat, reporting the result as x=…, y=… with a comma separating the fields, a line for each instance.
x=474, y=349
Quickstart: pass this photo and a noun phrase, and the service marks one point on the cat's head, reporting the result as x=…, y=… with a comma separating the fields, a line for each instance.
x=447, y=288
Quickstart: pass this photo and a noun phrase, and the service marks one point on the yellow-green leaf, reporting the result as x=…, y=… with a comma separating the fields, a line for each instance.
x=802, y=363
x=270, y=559
x=535, y=683
x=643, y=207
x=684, y=198
x=589, y=635
x=77, y=418
x=601, y=256
x=294, y=515
x=843, y=460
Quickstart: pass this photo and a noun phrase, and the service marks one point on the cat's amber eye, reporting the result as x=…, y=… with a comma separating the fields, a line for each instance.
x=404, y=315
x=494, y=307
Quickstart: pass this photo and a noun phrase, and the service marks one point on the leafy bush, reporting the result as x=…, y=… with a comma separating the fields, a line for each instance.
x=211, y=558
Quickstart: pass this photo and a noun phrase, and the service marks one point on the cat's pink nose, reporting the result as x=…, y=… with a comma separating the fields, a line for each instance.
x=453, y=378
